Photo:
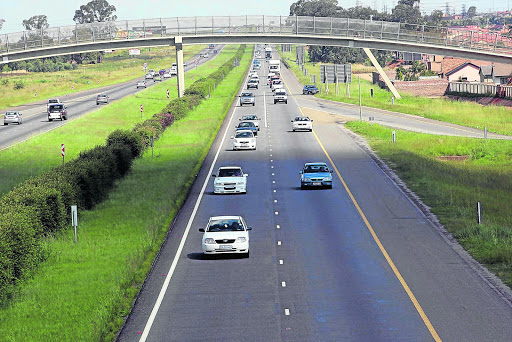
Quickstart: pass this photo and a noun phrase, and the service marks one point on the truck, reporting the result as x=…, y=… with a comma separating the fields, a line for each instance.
x=274, y=65
x=268, y=52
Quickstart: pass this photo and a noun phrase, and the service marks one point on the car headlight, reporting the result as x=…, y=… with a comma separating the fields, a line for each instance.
x=241, y=239
x=328, y=179
x=209, y=241
x=240, y=183
x=306, y=179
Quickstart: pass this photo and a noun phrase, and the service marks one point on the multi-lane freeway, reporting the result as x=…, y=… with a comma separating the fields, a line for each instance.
x=35, y=120
x=359, y=262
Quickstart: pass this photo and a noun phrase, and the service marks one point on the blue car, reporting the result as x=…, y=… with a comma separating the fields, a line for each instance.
x=315, y=175
x=247, y=126
x=310, y=89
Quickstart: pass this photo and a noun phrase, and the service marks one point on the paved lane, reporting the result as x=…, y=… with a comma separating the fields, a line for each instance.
x=317, y=270
x=346, y=111
x=35, y=120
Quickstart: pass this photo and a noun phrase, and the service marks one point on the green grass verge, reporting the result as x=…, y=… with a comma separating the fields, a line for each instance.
x=82, y=292
x=452, y=188
x=116, y=68
x=497, y=118
x=41, y=153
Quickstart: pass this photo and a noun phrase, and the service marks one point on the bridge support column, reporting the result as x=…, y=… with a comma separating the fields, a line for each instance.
x=382, y=73
x=179, y=61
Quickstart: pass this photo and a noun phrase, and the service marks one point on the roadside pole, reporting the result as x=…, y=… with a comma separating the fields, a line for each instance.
x=62, y=152
x=360, y=103
x=74, y=220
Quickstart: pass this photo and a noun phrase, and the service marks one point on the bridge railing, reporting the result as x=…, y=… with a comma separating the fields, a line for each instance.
x=264, y=25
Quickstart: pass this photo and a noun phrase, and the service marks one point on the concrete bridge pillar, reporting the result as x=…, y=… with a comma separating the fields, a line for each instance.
x=179, y=61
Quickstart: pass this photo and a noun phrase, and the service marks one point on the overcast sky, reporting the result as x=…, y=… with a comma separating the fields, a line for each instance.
x=61, y=12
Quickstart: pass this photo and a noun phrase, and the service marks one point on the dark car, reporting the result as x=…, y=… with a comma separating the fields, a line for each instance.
x=310, y=89
x=102, y=98
x=247, y=126
x=57, y=111
x=161, y=72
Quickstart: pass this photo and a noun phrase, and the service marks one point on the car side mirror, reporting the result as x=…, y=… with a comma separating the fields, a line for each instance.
x=249, y=228
x=246, y=174
x=214, y=176
x=291, y=121
x=239, y=119
x=330, y=171
x=201, y=230
x=232, y=137
x=311, y=120
x=300, y=172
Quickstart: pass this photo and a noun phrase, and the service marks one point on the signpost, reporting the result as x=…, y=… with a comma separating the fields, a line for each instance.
x=152, y=144
x=145, y=66
x=168, y=94
x=141, y=110
x=62, y=151
x=74, y=219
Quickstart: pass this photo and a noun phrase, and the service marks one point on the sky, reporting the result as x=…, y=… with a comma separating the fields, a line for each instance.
x=60, y=12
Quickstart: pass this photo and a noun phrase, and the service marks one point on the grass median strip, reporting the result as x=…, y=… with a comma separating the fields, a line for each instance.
x=42, y=153
x=450, y=175
x=117, y=67
x=495, y=118
x=82, y=291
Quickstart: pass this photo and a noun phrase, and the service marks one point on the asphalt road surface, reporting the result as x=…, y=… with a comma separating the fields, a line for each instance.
x=359, y=262
x=35, y=119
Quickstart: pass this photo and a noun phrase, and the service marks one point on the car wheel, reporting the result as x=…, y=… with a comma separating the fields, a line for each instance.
x=5, y=123
x=97, y=103
x=275, y=102
x=65, y=118
x=50, y=119
x=246, y=255
x=285, y=102
x=293, y=130
x=253, y=104
x=329, y=186
x=302, y=186
x=311, y=130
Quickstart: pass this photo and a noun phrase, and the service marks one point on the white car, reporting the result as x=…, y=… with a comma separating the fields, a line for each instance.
x=277, y=86
x=204, y=55
x=252, y=118
x=167, y=75
x=226, y=234
x=302, y=122
x=244, y=140
x=229, y=180
x=141, y=84
x=254, y=78
x=148, y=76
x=173, y=71
x=280, y=96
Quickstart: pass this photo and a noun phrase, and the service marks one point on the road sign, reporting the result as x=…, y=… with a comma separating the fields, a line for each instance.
x=168, y=94
x=331, y=73
x=141, y=108
x=62, y=150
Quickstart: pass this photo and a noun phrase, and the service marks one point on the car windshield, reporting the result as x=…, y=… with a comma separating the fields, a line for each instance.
x=246, y=124
x=247, y=95
x=230, y=173
x=315, y=168
x=249, y=117
x=244, y=135
x=53, y=101
x=230, y=225
x=11, y=113
x=301, y=118
x=56, y=107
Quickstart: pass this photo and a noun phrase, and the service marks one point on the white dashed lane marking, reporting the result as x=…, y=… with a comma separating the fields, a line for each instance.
x=287, y=312
x=281, y=262
x=279, y=243
x=283, y=284
x=278, y=226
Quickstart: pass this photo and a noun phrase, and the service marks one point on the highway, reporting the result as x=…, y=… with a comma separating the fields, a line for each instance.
x=35, y=120
x=359, y=262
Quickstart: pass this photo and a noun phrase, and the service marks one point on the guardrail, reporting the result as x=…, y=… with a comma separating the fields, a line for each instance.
x=264, y=25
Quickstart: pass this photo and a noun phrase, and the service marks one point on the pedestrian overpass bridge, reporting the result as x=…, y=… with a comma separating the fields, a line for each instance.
x=178, y=31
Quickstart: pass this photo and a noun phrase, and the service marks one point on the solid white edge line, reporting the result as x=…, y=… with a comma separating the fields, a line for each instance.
x=161, y=295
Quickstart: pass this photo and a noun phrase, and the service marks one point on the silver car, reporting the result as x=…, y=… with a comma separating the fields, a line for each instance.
x=252, y=118
x=12, y=117
x=247, y=98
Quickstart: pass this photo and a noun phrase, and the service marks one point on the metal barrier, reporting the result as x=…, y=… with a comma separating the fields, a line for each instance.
x=264, y=25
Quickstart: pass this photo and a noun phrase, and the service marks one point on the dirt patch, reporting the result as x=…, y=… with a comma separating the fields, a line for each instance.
x=453, y=158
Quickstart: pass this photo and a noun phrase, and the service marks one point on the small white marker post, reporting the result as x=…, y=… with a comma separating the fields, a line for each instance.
x=74, y=219
x=152, y=144
x=478, y=213
x=62, y=152
x=393, y=136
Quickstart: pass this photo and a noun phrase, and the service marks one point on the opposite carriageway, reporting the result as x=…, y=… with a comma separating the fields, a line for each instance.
x=356, y=33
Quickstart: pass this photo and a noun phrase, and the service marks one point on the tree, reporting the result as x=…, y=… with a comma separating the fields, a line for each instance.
x=95, y=11
x=471, y=12
x=316, y=8
x=36, y=22
x=436, y=16
x=2, y=21
x=405, y=13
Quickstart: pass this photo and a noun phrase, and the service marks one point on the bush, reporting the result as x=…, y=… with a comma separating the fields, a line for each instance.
x=18, y=85
x=128, y=138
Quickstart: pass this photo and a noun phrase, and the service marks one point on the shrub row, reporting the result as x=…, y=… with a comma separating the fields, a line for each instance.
x=41, y=205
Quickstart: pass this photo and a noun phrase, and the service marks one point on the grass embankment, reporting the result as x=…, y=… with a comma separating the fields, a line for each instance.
x=83, y=291
x=452, y=188
x=41, y=153
x=117, y=67
x=497, y=119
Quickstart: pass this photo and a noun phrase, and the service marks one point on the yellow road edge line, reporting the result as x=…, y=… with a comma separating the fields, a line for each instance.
x=402, y=281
